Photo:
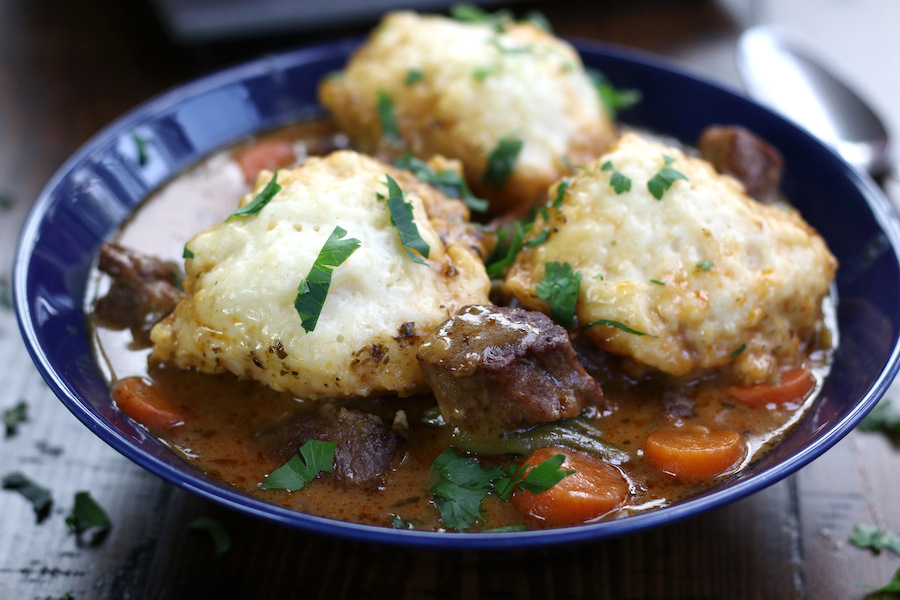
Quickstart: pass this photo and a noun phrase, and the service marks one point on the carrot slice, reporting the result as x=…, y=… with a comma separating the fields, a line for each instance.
x=267, y=154
x=594, y=490
x=694, y=453
x=142, y=402
x=794, y=386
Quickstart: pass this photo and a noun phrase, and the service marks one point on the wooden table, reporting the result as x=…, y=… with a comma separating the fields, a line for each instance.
x=67, y=69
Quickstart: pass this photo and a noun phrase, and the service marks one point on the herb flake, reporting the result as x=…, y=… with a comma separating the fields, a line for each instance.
x=559, y=288
x=187, y=253
x=315, y=457
x=40, y=497
x=220, y=537
x=141, y=145
x=389, y=129
x=892, y=587
x=448, y=182
x=561, y=192
x=87, y=514
x=470, y=13
x=612, y=99
x=506, y=529
x=738, y=352
x=414, y=76
x=256, y=205
x=460, y=487
x=619, y=183
x=540, y=239
x=15, y=416
x=705, y=265
x=403, y=219
x=497, y=262
x=536, y=480
x=884, y=418
x=663, y=180
x=313, y=289
x=502, y=162
x=657, y=282
x=868, y=537
x=5, y=295
x=617, y=325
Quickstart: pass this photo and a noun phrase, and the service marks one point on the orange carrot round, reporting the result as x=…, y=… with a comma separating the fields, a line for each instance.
x=794, y=386
x=140, y=401
x=595, y=489
x=694, y=452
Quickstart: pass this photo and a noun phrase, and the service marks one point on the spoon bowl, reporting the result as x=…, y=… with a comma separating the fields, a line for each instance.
x=780, y=72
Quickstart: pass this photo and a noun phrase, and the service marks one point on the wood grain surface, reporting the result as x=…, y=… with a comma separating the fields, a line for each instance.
x=66, y=70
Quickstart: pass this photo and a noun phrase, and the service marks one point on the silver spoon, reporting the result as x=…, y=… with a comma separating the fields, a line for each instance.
x=777, y=70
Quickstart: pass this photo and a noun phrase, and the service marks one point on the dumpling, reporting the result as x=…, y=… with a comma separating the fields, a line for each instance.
x=464, y=90
x=703, y=276
x=243, y=278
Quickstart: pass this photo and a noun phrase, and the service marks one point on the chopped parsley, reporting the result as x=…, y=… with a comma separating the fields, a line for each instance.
x=414, y=76
x=617, y=180
x=613, y=100
x=539, y=479
x=663, y=180
x=187, y=253
x=403, y=220
x=220, y=536
x=506, y=529
x=315, y=457
x=502, y=162
x=884, y=418
x=509, y=49
x=479, y=74
x=705, y=265
x=892, y=587
x=15, y=416
x=257, y=204
x=141, y=145
x=617, y=325
x=470, y=13
x=313, y=289
x=539, y=20
x=5, y=295
x=540, y=239
x=559, y=288
x=560, y=192
x=389, y=129
x=87, y=514
x=398, y=523
x=657, y=282
x=868, y=537
x=738, y=352
x=504, y=256
x=41, y=499
x=461, y=484
x=448, y=182
x=668, y=160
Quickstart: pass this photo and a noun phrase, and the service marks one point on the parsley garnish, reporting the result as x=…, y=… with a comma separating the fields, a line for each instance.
x=502, y=162
x=312, y=291
x=479, y=74
x=506, y=529
x=540, y=239
x=187, y=253
x=254, y=206
x=883, y=418
x=539, y=479
x=738, y=352
x=398, y=523
x=893, y=586
x=448, y=182
x=386, y=116
x=613, y=100
x=403, y=220
x=617, y=325
x=705, y=265
x=617, y=180
x=220, y=536
x=663, y=180
x=15, y=416
x=560, y=192
x=5, y=295
x=538, y=19
x=460, y=487
x=315, y=457
x=657, y=282
x=470, y=13
x=868, y=537
x=87, y=514
x=509, y=49
x=414, y=76
x=41, y=499
x=559, y=288
x=497, y=261
x=668, y=160
x=141, y=145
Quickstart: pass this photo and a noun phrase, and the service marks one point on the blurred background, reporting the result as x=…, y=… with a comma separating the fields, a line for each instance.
x=67, y=69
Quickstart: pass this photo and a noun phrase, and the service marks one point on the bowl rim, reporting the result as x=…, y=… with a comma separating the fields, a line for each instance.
x=197, y=483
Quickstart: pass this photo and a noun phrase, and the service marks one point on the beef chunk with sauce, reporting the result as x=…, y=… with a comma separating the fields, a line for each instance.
x=495, y=370
x=734, y=151
x=143, y=291
x=365, y=443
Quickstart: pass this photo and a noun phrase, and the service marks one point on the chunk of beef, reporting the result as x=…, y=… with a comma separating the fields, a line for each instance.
x=734, y=151
x=495, y=370
x=365, y=443
x=144, y=290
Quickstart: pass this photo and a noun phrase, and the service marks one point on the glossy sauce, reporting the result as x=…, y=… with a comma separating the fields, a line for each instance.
x=225, y=413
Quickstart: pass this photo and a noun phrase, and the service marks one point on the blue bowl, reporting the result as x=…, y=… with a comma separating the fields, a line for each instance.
x=104, y=182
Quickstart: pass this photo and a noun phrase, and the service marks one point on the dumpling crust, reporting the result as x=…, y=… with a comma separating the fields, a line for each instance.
x=705, y=269
x=474, y=86
x=241, y=283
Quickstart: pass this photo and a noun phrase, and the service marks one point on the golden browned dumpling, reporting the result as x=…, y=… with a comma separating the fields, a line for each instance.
x=463, y=90
x=243, y=278
x=717, y=279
